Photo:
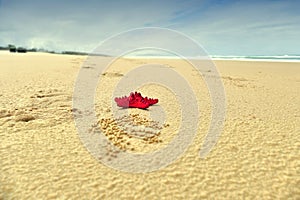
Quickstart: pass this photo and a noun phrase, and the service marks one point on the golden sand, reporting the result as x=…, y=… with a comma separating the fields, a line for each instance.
x=42, y=157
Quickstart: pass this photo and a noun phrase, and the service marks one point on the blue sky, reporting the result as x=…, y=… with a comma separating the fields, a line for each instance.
x=222, y=27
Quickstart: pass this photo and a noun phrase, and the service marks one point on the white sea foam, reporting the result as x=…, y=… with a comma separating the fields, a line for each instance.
x=277, y=58
x=283, y=58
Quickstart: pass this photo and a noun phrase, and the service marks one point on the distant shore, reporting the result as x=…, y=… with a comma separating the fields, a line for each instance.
x=283, y=58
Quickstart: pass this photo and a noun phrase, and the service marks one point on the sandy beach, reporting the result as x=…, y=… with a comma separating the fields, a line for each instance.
x=42, y=157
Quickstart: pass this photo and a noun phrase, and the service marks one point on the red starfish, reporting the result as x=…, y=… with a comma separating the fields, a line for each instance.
x=135, y=100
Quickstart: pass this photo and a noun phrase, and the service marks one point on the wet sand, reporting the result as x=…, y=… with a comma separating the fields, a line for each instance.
x=41, y=155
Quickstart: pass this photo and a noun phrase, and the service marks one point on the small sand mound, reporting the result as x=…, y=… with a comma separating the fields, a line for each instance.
x=5, y=113
x=24, y=118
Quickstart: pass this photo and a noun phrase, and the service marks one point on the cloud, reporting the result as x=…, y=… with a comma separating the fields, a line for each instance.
x=247, y=27
x=73, y=23
x=222, y=27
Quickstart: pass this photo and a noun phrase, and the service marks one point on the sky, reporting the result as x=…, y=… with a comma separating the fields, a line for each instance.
x=221, y=27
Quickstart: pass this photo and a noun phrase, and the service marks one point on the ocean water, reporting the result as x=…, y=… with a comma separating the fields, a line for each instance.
x=277, y=58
